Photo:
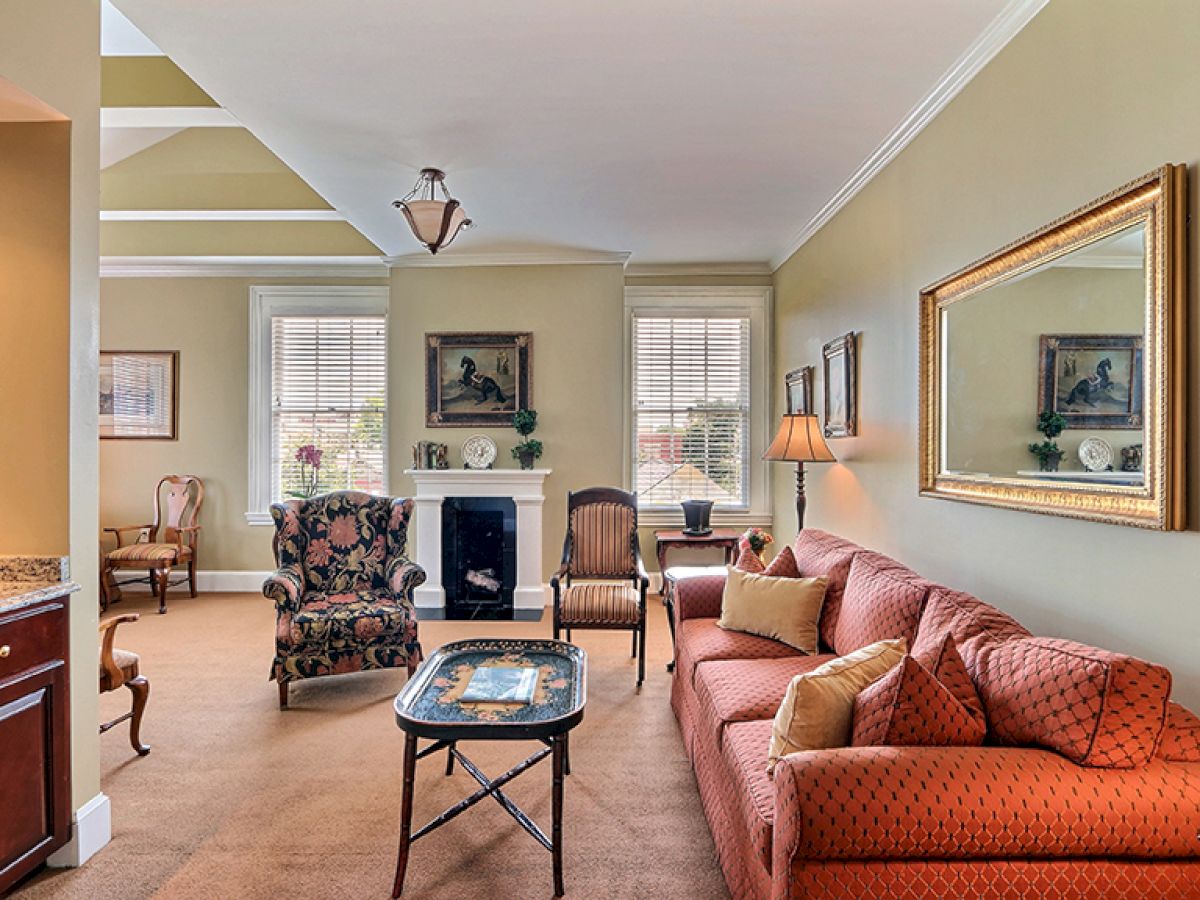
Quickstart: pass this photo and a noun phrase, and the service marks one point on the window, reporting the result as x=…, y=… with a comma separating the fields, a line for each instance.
x=319, y=387
x=697, y=400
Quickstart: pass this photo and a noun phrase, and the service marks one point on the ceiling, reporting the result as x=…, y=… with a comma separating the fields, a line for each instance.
x=681, y=131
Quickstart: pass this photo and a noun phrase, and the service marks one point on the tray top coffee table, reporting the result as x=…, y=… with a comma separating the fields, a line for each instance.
x=431, y=707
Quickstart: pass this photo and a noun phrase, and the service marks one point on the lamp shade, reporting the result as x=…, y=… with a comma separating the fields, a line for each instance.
x=799, y=439
x=434, y=222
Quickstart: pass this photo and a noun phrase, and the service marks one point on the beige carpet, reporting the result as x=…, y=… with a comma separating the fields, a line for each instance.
x=238, y=799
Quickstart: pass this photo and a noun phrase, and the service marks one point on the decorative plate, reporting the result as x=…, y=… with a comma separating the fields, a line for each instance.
x=1096, y=454
x=479, y=452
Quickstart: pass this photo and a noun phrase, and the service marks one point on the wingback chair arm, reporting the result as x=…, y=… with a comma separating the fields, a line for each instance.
x=108, y=631
x=285, y=586
x=404, y=576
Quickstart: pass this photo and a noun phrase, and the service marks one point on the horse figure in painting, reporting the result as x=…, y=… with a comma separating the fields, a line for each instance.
x=485, y=385
x=1088, y=389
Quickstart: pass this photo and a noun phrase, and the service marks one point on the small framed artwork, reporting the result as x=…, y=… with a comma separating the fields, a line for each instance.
x=474, y=379
x=1092, y=380
x=139, y=394
x=841, y=386
x=799, y=386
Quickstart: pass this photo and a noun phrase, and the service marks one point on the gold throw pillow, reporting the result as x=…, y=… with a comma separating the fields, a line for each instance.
x=786, y=609
x=818, y=709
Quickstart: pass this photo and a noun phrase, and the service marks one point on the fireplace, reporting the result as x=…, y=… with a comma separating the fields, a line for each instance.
x=479, y=556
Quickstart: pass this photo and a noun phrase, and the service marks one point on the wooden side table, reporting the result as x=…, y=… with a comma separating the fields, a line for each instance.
x=665, y=541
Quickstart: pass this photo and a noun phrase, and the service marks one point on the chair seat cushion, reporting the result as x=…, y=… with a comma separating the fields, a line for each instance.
x=127, y=662
x=700, y=640
x=599, y=605
x=353, y=617
x=149, y=553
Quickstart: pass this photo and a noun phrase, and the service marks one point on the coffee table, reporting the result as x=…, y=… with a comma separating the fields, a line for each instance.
x=429, y=707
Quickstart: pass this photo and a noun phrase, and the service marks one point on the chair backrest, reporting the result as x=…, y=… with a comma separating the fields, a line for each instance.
x=176, y=507
x=341, y=541
x=602, y=533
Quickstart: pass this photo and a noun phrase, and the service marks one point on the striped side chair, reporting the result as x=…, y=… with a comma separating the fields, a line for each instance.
x=601, y=552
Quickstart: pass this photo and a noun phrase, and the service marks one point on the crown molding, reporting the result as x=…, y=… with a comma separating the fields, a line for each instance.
x=242, y=267
x=221, y=215
x=532, y=258
x=648, y=270
x=167, y=117
x=1007, y=24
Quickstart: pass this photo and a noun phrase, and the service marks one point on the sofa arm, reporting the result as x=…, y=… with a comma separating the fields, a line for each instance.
x=403, y=576
x=699, y=597
x=880, y=803
x=285, y=586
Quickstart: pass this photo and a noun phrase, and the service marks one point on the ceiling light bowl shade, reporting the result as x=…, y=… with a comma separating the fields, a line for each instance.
x=434, y=222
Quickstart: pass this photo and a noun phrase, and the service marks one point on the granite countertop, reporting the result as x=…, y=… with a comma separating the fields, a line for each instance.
x=28, y=579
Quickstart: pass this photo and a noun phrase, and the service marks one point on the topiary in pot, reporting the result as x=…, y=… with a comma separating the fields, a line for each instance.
x=1048, y=453
x=525, y=422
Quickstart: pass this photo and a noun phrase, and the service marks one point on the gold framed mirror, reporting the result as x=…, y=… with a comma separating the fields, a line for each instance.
x=1053, y=370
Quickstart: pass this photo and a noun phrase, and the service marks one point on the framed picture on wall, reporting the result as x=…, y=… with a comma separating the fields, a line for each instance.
x=474, y=379
x=139, y=393
x=1092, y=380
x=799, y=386
x=841, y=386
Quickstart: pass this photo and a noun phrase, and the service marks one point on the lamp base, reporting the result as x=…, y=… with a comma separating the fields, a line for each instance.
x=801, y=502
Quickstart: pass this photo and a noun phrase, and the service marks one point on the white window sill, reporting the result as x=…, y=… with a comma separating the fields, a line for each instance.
x=665, y=518
x=259, y=518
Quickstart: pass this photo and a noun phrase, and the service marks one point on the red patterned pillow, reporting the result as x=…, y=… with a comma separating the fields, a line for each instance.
x=947, y=666
x=882, y=600
x=1181, y=738
x=748, y=560
x=910, y=706
x=1095, y=707
x=783, y=565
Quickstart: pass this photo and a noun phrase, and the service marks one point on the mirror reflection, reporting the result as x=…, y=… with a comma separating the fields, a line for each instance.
x=1042, y=374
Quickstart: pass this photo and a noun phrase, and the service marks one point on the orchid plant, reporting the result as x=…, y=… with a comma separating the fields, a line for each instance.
x=309, y=457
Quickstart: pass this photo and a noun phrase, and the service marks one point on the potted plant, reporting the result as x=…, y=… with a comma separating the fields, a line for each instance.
x=525, y=421
x=309, y=457
x=1048, y=453
x=758, y=540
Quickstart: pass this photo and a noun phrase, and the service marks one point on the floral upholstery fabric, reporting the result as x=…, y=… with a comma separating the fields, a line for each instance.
x=882, y=601
x=819, y=553
x=1181, y=736
x=1095, y=707
x=343, y=589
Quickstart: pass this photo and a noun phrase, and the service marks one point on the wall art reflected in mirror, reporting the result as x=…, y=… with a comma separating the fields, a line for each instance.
x=1052, y=370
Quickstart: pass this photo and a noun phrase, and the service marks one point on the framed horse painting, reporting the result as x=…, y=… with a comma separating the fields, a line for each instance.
x=474, y=379
x=1092, y=380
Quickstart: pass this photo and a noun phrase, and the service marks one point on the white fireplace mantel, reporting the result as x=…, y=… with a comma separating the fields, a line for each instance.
x=524, y=486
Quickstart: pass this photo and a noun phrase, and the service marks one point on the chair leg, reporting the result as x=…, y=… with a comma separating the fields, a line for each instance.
x=192, y=577
x=642, y=652
x=568, y=635
x=633, y=652
x=153, y=583
x=140, y=688
x=283, y=695
x=164, y=579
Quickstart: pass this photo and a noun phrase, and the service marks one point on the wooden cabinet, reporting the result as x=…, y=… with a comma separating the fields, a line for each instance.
x=35, y=764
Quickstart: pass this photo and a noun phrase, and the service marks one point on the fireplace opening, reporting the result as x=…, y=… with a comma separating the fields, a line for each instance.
x=479, y=556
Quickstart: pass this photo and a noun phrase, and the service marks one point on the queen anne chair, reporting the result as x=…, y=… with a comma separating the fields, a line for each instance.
x=175, y=513
x=343, y=589
x=601, y=549
x=119, y=668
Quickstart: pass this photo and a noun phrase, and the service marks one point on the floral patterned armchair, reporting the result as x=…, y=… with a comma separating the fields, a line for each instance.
x=343, y=589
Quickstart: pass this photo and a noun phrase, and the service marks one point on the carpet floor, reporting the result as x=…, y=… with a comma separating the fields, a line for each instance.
x=238, y=799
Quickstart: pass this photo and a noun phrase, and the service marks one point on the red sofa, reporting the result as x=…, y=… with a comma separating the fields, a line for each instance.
x=1007, y=819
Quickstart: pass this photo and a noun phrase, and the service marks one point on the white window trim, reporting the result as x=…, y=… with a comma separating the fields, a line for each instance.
x=267, y=301
x=738, y=301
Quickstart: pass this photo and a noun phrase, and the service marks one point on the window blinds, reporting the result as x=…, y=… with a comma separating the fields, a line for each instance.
x=691, y=409
x=328, y=389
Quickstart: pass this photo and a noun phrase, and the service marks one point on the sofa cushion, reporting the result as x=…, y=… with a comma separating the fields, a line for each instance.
x=700, y=640
x=786, y=609
x=783, y=565
x=1181, y=736
x=910, y=707
x=829, y=556
x=882, y=600
x=748, y=560
x=1095, y=707
x=741, y=690
x=744, y=754
x=817, y=710
x=971, y=622
x=947, y=666
x=352, y=617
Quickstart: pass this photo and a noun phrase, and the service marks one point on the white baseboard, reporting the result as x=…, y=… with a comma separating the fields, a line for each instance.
x=216, y=580
x=92, y=831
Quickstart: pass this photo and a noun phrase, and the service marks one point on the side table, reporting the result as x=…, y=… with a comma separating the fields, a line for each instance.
x=724, y=538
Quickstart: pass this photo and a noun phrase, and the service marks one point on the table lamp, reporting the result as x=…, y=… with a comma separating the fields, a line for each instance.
x=799, y=440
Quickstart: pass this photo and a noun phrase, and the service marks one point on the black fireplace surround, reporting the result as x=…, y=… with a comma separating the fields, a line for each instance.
x=479, y=556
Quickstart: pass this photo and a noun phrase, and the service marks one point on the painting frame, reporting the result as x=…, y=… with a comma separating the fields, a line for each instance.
x=161, y=427
x=840, y=358
x=798, y=391
x=1126, y=348
x=444, y=409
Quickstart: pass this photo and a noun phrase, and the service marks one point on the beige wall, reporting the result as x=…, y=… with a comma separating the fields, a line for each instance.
x=1083, y=100
x=52, y=50
x=35, y=312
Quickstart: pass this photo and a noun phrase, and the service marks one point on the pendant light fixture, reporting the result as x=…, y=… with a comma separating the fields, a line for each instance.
x=434, y=221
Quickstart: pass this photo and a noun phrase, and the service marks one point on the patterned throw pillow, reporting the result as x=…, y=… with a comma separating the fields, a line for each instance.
x=783, y=565
x=1181, y=738
x=911, y=706
x=748, y=560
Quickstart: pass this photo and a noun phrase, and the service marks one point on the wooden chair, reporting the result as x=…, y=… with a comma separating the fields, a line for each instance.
x=601, y=548
x=119, y=668
x=175, y=513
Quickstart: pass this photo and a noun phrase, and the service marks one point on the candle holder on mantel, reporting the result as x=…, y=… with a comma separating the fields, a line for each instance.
x=799, y=440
